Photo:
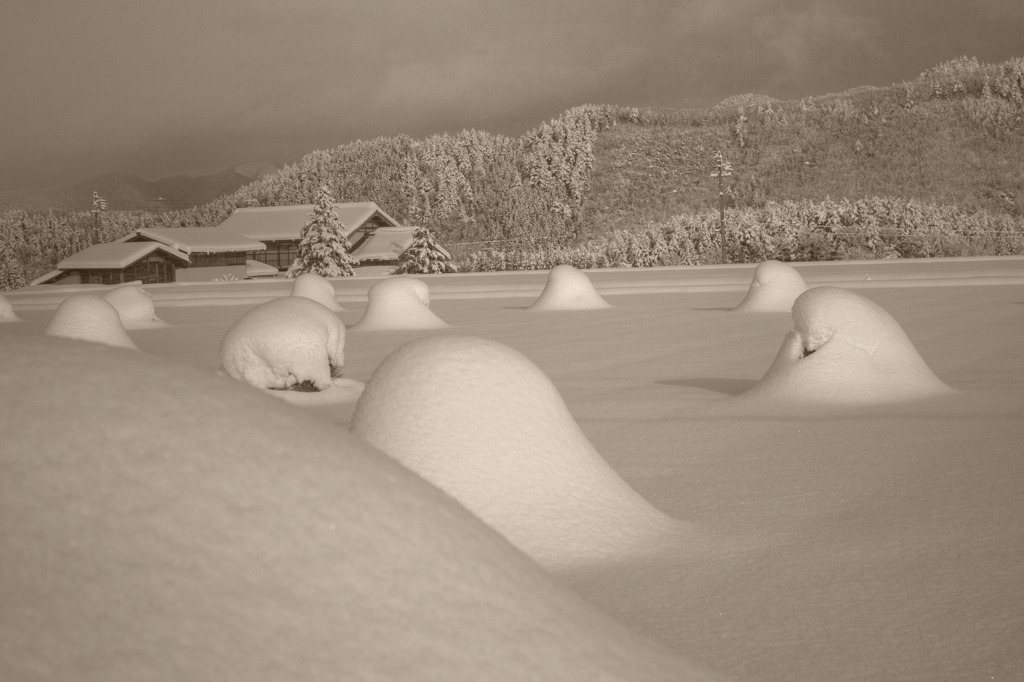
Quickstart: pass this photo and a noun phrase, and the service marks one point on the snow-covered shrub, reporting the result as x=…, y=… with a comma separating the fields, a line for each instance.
x=399, y=302
x=316, y=288
x=288, y=342
x=568, y=289
x=7, y=313
x=134, y=305
x=86, y=317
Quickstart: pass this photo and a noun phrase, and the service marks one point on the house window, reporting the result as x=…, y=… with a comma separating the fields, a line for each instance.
x=280, y=254
x=212, y=260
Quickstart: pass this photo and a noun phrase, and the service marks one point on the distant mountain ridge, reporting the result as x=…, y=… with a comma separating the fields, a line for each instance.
x=130, y=192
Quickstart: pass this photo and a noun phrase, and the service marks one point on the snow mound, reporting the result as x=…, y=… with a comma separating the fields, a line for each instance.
x=134, y=305
x=86, y=317
x=568, y=289
x=7, y=313
x=486, y=425
x=316, y=288
x=283, y=343
x=774, y=288
x=399, y=302
x=223, y=536
x=845, y=348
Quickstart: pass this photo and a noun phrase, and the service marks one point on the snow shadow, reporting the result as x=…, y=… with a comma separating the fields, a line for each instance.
x=715, y=384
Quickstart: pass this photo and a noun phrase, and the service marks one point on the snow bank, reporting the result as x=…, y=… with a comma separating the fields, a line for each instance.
x=224, y=536
x=7, y=313
x=774, y=288
x=845, y=348
x=283, y=343
x=568, y=289
x=399, y=302
x=483, y=423
x=134, y=305
x=86, y=317
x=317, y=288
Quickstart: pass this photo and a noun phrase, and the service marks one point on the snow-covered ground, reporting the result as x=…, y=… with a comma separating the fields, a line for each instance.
x=818, y=539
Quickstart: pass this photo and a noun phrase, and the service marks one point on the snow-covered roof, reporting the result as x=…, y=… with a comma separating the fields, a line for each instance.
x=116, y=255
x=285, y=222
x=386, y=243
x=198, y=239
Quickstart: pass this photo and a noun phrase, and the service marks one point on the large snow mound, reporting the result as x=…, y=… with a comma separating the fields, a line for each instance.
x=486, y=425
x=87, y=317
x=844, y=348
x=316, y=288
x=283, y=343
x=7, y=313
x=181, y=527
x=134, y=305
x=399, y=302
x=774, y=288
x=567, y=288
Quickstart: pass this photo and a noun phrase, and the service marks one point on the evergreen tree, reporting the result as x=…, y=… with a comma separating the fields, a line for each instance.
x=425, y=256
x=323, y=248
x=12, y=275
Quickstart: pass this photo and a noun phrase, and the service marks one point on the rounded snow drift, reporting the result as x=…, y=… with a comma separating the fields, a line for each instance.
x=568, y=289
x=7, y=313
x=283, y=343
x=180, y=527
x=134, y=305
x=399, y=302
x=845, y=348
x=774, y=288
x=86, y=317
x=316, y=288
x=484, y=424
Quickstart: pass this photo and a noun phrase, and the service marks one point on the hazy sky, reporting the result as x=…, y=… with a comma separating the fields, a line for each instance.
x=196, y=86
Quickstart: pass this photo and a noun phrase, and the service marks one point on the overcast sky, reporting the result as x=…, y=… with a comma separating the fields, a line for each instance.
x=196, y=86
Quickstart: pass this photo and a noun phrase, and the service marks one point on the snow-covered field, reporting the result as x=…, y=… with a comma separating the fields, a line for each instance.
x=806, y=537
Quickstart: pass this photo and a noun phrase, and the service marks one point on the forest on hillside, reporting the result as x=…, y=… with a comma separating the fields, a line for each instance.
x=932, y=166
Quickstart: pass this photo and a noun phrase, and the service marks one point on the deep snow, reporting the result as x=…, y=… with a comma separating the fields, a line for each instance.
x=823, y=540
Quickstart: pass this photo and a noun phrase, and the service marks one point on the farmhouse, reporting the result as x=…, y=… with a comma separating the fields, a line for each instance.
x=147, y=262
x=279, y=228
x=159, y=254
x=212, y=252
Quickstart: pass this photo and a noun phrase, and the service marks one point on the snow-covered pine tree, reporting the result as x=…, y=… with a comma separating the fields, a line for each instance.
x=323, y=248
x=425, y=256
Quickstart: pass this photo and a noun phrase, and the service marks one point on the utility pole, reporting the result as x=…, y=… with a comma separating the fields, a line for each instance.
x=99, y=204
x=722, y=169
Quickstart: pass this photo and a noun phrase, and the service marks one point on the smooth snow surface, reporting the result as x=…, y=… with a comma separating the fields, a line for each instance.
x=86, y=317
x=568, y=289
x=845, y=348
x=7, y=313
x=482, y=422
x=879, y=540
x=177, y=526
x=316, y=288
x=134, y=305
x=399, y=302
x=285, y=342
x=773, y=289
